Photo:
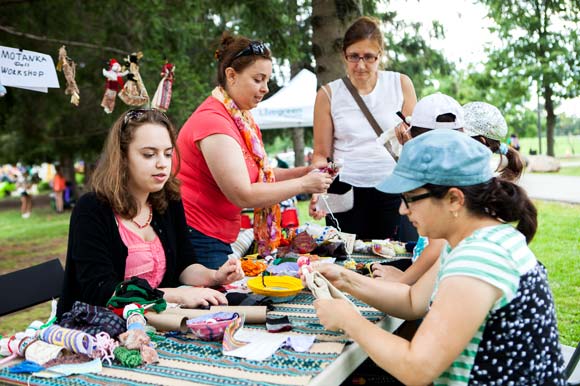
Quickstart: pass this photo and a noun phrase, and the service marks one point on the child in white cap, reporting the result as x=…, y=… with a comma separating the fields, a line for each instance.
x=489, y=315
x=433, y=112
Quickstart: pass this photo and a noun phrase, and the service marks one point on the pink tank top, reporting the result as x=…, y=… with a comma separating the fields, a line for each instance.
x=146, y=259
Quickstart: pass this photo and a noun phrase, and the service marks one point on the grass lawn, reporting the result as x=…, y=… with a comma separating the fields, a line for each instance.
x=557, y=244
x=570, y=171
x=564, y=146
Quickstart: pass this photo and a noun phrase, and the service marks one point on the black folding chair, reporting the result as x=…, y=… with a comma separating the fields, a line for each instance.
x=571, y=366
x=30, y=286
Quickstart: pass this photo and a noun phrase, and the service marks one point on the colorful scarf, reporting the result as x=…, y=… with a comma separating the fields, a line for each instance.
x=266, y=220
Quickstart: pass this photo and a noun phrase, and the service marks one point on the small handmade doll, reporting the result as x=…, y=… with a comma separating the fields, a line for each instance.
x=134, y=92
x=114, y=83
x=68, y=67
x=162, y=96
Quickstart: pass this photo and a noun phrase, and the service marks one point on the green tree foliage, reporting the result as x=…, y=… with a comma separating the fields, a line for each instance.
x=38, y=127
x=539, y=44
x=409, y=53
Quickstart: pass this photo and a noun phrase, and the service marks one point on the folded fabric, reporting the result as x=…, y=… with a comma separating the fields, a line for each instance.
x=136, y=290
x=245, y=299
x=321, y=288
x=93, y=319
x=335, y=249
x=41, y=352
x=278, y=323
x=262, y=345
x=284, y=269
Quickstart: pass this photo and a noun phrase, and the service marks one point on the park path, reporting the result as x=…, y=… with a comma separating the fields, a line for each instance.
x=552, y=187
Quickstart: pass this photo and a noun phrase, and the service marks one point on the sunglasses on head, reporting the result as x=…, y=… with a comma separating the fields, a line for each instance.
x=137, y=114
x=255, y=48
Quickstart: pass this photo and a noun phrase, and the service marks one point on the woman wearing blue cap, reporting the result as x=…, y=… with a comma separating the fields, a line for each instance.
x=488, y=311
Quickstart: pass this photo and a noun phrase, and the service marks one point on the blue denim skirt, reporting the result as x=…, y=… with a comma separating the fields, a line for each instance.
x=209, y=251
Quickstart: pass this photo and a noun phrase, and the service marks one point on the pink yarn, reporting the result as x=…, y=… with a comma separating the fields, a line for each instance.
x=104, y=347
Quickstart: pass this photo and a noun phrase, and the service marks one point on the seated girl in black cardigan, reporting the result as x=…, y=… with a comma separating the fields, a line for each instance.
x=132, y=223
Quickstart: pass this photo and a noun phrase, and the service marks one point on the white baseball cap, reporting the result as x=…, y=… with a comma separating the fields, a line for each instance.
x=432, y=106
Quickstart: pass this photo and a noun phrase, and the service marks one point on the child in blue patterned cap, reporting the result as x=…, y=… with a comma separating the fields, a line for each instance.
x=485, y=123
x=488, y=311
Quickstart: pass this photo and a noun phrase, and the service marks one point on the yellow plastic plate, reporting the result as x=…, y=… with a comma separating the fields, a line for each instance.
x=275, y=285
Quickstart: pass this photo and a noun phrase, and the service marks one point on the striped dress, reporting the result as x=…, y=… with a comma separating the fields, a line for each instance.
x=517, y=344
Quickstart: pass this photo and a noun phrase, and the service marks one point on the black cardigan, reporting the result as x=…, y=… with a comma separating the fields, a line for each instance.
x=96, y=255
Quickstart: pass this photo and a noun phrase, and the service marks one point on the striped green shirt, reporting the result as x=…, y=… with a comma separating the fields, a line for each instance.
x=497, y=255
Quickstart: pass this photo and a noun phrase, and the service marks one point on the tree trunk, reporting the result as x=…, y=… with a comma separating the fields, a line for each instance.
x=330, y=19
x=297, y=132
x=298, y=142
x=550, y=117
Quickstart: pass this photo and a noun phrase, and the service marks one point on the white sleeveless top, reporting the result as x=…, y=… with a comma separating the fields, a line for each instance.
x=366, y=162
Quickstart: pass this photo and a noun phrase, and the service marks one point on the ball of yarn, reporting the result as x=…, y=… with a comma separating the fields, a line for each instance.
x=128, y=358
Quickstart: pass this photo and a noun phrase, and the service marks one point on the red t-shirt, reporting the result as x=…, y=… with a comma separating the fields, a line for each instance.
x=58, y=183
x=206, y=207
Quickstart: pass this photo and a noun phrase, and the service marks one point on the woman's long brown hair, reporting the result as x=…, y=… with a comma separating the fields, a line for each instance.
x=111, y=176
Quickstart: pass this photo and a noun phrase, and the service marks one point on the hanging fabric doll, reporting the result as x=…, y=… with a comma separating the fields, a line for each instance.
x=162, y=96
x=134, y=92
x=68, y=67
x=114, y=84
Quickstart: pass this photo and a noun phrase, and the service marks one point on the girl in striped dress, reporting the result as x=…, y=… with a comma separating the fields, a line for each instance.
x=489, y=316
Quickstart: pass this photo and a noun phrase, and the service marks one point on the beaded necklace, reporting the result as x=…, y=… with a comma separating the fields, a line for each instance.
x=146, y=224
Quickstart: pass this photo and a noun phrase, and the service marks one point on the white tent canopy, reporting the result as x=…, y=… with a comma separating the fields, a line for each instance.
x=291, y=106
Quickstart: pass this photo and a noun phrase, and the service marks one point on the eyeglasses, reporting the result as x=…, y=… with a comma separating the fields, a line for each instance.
x=255, y=48
x=367, y=58
x=408, y=200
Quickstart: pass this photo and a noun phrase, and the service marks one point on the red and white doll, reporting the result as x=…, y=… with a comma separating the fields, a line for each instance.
x=113, y=85
x=162, y=96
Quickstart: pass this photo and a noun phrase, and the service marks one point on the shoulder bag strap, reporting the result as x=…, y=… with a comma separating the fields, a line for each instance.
x=368, y=115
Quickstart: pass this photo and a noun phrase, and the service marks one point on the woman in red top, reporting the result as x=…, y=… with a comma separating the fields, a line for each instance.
x=224, y=166
x=59, y=185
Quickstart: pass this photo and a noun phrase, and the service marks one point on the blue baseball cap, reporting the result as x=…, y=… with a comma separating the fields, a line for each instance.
x=439, y=157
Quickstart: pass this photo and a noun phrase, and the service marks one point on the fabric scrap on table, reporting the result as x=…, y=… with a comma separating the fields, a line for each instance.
x=94, y=366
x=299, y=343
x=260, y=345
x=25, y=367
x=278, y=323
x=93, y=319
x=41, y=352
